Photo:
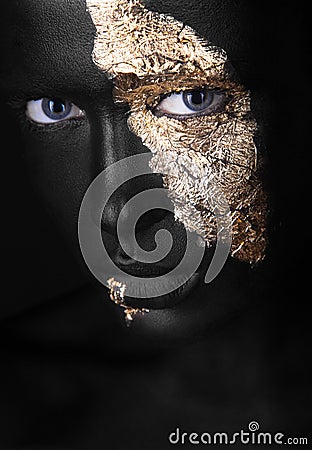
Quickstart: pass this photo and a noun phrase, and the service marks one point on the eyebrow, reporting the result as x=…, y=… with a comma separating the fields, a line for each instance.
x=152, y=88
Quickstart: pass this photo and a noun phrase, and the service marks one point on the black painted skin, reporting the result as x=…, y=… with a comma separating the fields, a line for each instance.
x=50, y=56
x=46, y=52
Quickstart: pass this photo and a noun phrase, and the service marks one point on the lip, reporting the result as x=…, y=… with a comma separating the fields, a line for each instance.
x=172, y=298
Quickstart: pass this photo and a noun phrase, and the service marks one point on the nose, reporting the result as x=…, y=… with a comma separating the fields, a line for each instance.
x=113, y=141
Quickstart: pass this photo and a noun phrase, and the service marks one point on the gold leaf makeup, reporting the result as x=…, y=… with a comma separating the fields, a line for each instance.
x=150, y=56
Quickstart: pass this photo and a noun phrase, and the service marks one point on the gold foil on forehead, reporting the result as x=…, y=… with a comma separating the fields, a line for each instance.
x=132, y=39
x=149, y=55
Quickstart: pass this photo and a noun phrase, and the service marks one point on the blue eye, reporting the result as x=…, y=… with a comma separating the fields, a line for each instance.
x=199, y=102
x=52, y=110
x=56, y=109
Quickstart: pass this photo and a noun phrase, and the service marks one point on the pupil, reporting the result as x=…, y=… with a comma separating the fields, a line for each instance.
x=57, y=106
x=198, y=97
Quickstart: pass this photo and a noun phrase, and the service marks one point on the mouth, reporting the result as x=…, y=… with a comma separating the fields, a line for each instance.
x=172, y=297
x=156, y=286
x=153, y=290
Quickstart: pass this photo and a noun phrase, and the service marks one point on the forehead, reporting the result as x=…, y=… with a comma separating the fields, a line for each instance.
x=218, y=20
x=57, y=36
x=47, y=37
x=203, y=13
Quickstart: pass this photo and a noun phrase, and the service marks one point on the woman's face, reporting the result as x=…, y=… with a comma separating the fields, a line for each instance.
x=88, y=91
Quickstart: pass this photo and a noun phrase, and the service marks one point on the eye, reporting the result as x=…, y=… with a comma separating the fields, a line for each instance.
x=52, y=110
x=198, y=102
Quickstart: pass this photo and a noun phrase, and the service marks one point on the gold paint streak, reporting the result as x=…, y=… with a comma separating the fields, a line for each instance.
x=147, y=55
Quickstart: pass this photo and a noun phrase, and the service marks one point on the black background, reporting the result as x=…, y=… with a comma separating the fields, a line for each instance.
x=66, y=384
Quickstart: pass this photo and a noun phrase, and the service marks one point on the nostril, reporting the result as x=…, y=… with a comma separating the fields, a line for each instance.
x=150, y=218
x=122, y=259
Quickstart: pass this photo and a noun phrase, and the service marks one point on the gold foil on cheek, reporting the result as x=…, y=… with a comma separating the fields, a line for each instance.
x=212, y=150
x=149, y=54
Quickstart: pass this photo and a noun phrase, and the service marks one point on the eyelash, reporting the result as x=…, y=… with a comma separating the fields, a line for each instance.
x=204, y=102
x=49, y=112
x=222, y=100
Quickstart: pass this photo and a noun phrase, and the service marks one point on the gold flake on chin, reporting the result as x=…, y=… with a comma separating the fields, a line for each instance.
x=117, y=295
x=148, y=55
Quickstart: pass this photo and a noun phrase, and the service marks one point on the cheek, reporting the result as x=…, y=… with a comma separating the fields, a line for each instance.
x=210, y=164
x=221, y=148
x=60, y=166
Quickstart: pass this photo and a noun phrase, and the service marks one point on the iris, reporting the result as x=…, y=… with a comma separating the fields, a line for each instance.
x=56, y=108
x=198, y=100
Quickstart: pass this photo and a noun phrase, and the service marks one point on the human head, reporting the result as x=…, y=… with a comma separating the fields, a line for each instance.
x=53, y=59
